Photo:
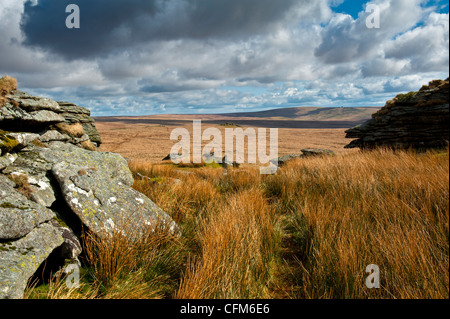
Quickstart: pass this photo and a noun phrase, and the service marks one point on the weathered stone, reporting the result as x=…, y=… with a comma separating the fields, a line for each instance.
x=45, y=117
x=53, y=135
x=20, y=259
x=18, y=215
x=77, y=114
x=317, y=152
x=33, y=103
x=71, y=248
x=414, y=120
x=81, y=139
x=280, y=161
x=35, y=168
x=105, y=203
x=71, y=108
x=91, y=131
x=7, y=160
x=32, y=163
x=48, y=192
x=24, y=139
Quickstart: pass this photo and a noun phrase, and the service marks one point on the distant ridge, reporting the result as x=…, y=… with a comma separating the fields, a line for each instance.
x=302, y=113
x=307, y=113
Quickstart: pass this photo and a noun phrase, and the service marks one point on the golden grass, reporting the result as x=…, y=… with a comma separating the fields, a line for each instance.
x=234, y=261
x=73, y=130
x=337, y=215
x=380, y=207
x=7, y=84
x=307, y=232
x=88, y=145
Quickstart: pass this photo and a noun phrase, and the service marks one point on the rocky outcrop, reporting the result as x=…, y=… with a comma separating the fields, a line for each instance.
x=415, y=120
x=53, y=121
x=53, y=187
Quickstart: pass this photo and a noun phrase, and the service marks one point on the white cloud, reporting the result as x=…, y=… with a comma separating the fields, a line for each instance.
x=309, y=55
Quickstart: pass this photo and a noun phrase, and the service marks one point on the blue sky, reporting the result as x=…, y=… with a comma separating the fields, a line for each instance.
x=202, y=56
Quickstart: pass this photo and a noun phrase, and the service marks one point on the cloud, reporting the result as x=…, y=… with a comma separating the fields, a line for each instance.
x=142, y=57
x=430, y=41
x=346, y=39
x=111, y=25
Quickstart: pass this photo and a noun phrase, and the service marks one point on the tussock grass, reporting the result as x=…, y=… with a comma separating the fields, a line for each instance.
x=307, y=232
x=73, y=130
x=379, y=207
x=88, y=145
x=7, y=84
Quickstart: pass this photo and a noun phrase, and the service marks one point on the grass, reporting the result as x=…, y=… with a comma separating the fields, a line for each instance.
x=7, y=84
x=88, y=145
x=307, y=232
x=73, y=130
x=22, y=184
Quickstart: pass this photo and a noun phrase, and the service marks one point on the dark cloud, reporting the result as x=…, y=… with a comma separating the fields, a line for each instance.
x=111, y=25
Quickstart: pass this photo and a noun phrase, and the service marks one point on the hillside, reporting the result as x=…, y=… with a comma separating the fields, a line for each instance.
x=304, y=113
x=312, y=113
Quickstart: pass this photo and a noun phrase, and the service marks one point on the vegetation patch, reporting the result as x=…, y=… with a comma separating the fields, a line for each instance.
x=308, y=231
x=88, y=145
x=7, y=143
x=7, y=84
x=74, y=130
x=22, y=184
x=230, y=124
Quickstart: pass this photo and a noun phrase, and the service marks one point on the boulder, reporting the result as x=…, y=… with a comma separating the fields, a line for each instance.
x=98, y=191
x=307, y=152
x=16, y=119
x=280, y=161
x=20, y=259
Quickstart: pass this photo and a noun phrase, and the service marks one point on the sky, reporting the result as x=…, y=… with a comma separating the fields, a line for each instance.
x=144, y=57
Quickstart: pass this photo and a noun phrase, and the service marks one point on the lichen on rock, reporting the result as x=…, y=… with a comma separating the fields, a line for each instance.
x=53, y=183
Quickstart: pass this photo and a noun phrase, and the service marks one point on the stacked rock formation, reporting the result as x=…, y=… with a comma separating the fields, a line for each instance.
x=54, y=185
x=416, y=120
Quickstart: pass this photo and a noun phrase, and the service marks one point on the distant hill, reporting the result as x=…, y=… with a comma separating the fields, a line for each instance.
x=311, y=113
x=294, y=117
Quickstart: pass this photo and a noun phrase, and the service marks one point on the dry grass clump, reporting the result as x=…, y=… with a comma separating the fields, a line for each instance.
x=123, y=266
x=73, y=130
x=88, y=145
x=22, y=184
x=7, y=84
x=237, y=249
